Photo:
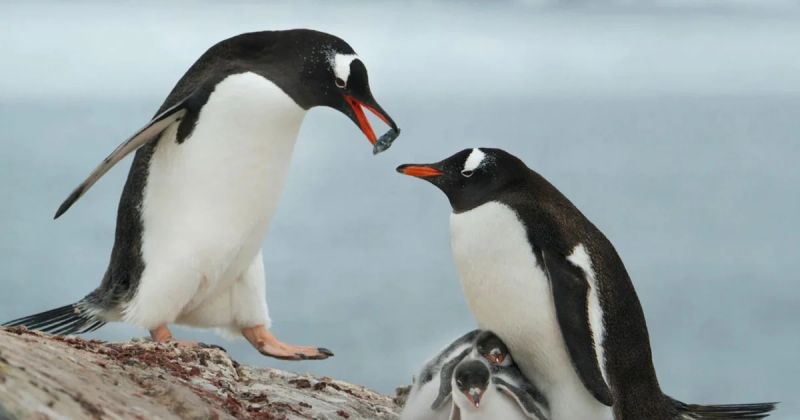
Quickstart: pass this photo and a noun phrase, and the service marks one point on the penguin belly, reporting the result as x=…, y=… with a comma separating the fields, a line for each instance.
x=501, y=406
x=508, y=293
x=495, y=406
x=207, y=206
x=418, y=404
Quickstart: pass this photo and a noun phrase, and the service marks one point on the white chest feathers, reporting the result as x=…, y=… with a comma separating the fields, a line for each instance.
x=495, y=405
x=509, y=293
x=420, y=399
x=505, y=288
x=220, y=187
x=209, y=200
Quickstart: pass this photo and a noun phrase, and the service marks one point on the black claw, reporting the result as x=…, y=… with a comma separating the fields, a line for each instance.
x=301, y=356
x=211, y=346
x=324, y=351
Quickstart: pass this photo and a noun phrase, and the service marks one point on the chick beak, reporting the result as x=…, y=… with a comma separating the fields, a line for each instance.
x=496, y=358
x=475, y=398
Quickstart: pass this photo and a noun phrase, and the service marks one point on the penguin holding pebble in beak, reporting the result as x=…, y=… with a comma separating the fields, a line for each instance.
x=536, y=272
x=205, y=182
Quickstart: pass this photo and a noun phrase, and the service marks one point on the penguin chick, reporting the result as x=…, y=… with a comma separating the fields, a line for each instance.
x=430, y=392
x=482, y=392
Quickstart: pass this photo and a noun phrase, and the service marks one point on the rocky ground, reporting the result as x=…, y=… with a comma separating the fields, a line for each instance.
x=46, y=377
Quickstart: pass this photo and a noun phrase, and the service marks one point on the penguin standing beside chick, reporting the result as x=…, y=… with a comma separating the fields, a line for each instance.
x=205, y=181
x=535, y=271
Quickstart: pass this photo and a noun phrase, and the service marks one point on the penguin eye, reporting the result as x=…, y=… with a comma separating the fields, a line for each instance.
x=467, y=173
x=340, y=83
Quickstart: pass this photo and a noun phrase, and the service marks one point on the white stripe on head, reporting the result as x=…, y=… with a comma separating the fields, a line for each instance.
x=341, y=65
x=474, y=160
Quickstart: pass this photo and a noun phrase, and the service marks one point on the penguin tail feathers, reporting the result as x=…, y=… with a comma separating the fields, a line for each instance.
x=724, y=412
x=77, y=318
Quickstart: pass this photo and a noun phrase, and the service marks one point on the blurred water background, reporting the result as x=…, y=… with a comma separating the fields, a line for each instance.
x=672, y=125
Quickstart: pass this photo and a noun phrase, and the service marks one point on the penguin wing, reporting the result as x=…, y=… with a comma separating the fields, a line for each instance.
x=158, y=124
x=434, y=364
x=446, y=379
x=571, y=296
x=523, y=398
x=512, y=374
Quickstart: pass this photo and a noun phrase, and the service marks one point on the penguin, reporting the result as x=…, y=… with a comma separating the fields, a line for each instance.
x=540, y=275
x=490, y=346
x=204, y=184
x=488, y=392
x=430, y=390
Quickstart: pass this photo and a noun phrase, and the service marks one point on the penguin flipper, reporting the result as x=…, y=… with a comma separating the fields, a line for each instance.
x=433, y=365
x=525, y=400
x=158, y=124
x=512, y=374
x=446, y=379
x=571, y=296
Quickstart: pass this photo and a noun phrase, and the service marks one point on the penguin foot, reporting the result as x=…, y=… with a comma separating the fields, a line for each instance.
x=182, y=343
x=212, y=346
x=266, y=343
x=162, y=334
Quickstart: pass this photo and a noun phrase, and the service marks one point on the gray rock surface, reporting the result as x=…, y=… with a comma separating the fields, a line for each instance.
x=46, y=377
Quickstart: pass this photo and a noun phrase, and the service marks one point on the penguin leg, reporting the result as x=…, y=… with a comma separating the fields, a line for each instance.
x=250, y=312
x=159, y=303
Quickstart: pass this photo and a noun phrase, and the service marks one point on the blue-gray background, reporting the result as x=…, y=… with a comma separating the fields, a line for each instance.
x=672, y=125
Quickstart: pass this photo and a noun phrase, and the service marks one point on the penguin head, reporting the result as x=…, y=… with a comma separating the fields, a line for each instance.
x=493, y=349
x=472, y=377
x=332, y=75
x=471, y=177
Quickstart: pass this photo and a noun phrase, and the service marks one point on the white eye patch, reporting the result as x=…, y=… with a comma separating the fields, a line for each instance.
x=473, y=161
x=341, y=65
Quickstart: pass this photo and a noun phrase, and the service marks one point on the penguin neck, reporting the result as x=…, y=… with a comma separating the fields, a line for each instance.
x=249, y=121
x=250, y=101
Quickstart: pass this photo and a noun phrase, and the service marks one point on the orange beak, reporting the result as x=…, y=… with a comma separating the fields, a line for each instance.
x=418, y=171
x=362, y=119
